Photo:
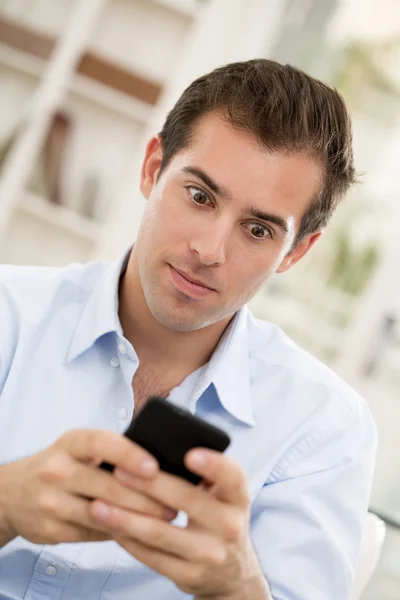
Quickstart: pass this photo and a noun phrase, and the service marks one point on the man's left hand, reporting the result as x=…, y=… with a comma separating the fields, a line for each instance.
x=213, y=556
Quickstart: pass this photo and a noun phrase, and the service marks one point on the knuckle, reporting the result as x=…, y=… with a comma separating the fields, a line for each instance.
x=95, y=442
x=72, y=470
x=54, y=469
x=215, y=555
x=232, y=526
x=67, y=438
x=238, y=480
x=99, y=439
x=195, y=576
x=47, y=502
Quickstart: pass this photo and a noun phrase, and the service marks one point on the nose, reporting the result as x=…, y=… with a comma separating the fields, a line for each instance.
x=210, y=244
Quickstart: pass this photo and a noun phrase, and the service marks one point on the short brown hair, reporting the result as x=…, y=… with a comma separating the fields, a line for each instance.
x=286, y=110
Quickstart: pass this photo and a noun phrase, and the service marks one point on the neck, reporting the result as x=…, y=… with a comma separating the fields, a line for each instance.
x=155, y=343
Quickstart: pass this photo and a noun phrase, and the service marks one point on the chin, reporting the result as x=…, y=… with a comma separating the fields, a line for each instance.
x=175, y=319
x=178, y=322
x=175, y=316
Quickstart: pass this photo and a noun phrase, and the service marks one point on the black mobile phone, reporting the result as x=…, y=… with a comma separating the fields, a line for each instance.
x=168, y=432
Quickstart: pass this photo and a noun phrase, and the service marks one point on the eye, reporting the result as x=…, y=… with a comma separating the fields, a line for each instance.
x=197, y=195
x=258, y=231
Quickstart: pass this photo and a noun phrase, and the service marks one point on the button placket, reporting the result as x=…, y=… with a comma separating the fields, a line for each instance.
x=52, y=571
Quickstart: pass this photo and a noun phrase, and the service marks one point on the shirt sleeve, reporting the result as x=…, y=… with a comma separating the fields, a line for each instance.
x=9, y=327
x=308, y=519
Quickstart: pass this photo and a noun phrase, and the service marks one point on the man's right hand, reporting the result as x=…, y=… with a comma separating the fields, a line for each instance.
x=45, y=498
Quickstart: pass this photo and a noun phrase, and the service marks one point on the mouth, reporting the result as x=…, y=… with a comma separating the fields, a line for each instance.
x=193, y=280
x=189, y=285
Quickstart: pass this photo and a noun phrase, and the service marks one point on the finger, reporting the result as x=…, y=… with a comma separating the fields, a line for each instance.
x=210, y=513
x=88, y=481
x=91, y=444
x=193, y=545
x=224, y=474
x=58, y=506
x=56, y=532
x=189, y=576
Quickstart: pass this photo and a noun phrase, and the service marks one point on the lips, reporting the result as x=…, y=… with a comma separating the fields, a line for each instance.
x=192, y=279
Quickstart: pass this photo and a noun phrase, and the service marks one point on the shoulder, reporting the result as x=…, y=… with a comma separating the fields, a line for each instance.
x=306, y=383
x=26, y=285
x=324, y=419
x=29, y=294
x=35, y=279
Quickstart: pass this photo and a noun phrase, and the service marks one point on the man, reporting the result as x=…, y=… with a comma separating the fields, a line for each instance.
x=240, y=183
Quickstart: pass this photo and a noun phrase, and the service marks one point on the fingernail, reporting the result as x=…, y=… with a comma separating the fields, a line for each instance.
x=198, y=458
x=148, y=466
x=102, y=511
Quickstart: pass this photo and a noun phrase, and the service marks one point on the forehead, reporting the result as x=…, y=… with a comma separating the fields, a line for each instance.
x=253, y=174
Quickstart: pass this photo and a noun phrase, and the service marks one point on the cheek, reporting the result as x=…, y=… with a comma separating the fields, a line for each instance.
x=155, y=221
x=165, y=216
x=250, y=276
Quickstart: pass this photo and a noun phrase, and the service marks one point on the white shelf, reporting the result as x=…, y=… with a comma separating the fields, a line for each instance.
x=189, y=8
x=21, y=61
x=59, y=217
x=117, y=102
x=84, y=87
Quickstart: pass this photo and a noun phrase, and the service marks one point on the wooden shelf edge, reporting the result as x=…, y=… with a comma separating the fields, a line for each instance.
x=91, y=65
x=60, y=217
x=88, y=89
x=111, y=99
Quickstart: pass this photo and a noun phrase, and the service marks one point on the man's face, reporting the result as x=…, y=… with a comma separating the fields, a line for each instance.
x=225, y=212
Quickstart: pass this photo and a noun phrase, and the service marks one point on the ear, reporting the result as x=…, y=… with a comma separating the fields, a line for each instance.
x=297, y=254
x=151, y=165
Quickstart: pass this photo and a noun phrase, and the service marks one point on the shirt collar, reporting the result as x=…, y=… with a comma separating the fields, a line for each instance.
x=229, y=371
x=100, y=315
x=228, y=368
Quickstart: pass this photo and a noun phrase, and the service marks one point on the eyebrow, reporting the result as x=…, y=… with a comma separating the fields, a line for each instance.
x=259, y=214
x=225, y=193
x=209, y=181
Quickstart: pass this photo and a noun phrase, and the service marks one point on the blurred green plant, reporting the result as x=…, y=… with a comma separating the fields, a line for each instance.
x=364, y=69
x=351, y=269
x=365, y=73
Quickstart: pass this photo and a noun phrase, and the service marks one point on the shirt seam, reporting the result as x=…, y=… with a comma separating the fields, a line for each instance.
x=297, y=451
x=340, y=393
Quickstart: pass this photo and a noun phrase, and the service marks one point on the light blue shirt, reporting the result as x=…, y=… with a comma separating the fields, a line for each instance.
x=304, y=438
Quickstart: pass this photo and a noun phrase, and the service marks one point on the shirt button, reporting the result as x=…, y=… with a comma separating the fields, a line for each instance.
x=51, y=570
x=122, y=348
x=114, y=362
x=122, y=413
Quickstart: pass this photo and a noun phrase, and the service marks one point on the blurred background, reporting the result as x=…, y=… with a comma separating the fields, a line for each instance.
x=84, y=84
